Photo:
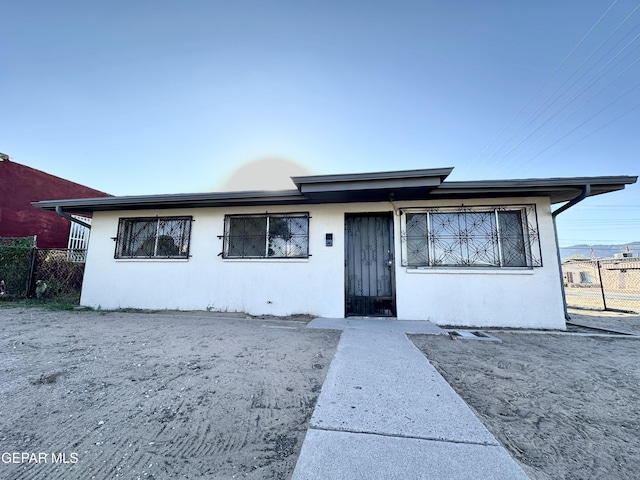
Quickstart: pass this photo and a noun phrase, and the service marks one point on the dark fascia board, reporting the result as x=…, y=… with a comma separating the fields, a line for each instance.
x=442, y=173
x=544, y=182
x=357, y=187
x=178, y=200
x=557, y=189
x=371, y=187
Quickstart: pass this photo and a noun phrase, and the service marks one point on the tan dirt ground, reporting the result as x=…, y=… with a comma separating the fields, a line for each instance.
x=566, y=406
x=155, y=395
x=197, y=395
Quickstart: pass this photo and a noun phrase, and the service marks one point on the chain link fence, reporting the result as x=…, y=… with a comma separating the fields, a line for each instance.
x=606, y=284
x=16, y=265
x=57, y=273
x=27, y=271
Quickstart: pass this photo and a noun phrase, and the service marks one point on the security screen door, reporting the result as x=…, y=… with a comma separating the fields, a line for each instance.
x=369, y=276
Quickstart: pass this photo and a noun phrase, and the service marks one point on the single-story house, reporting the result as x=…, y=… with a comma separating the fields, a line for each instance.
x=620, y=273
x=405, y=244
x=579, y=272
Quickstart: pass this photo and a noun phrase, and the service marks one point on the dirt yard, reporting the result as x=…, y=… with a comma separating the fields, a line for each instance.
x=95, y=395
x=565, y=405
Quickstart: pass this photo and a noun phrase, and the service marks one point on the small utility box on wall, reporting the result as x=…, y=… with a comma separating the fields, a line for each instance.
x=329, y=239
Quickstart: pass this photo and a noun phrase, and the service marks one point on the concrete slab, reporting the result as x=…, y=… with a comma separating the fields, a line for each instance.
x=376, y=324
x=385, y=412
x=381, y=383
x=347, y=456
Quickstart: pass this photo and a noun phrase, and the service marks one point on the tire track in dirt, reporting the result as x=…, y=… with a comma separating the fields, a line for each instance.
x=170, y=395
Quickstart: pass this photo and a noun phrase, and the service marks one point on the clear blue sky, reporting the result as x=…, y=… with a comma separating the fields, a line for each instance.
x=142, y=97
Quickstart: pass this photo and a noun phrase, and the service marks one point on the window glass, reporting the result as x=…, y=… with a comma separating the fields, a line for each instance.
x=158, y=237
x=267, y=236
x=473, y=237
x=512, y=242
x=467, y=238
x=417, y=240
x=247, y=236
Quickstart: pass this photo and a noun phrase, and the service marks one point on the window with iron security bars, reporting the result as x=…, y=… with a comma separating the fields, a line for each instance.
x=505, y=236
x=153, y=237
x=266, y=236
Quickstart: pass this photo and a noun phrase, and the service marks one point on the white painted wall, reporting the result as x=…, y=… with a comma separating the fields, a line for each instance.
x=207, y=281
x=522, y=298
x=463, y=297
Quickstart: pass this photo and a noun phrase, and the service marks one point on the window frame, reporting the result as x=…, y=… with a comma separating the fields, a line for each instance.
x=529, y=239
x=124, y=239
x=268, y=236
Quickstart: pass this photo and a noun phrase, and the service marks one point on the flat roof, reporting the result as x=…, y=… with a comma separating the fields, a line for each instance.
x=399, y=185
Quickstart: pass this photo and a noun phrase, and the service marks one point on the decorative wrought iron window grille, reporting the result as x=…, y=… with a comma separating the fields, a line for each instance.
x=504, y=236
x=153, y=237
x=266, y=236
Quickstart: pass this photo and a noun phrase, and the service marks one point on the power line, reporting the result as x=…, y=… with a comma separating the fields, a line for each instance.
x=588, y=247
x=602, y=221
x=595, y=244
x=584, y=122
x=541, y=87
x=591, y=242
x=559, y=97
x=535, y=115
x=594, y=131
x=584, y=88
x=605, y=206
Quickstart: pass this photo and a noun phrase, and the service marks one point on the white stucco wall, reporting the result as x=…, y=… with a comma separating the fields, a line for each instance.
x=207, y=281
x=523, y=298
x=463, y=297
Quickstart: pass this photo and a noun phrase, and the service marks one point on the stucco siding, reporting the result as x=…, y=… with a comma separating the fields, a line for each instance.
x=479, y=297
x=207, y=281
x=315, y=285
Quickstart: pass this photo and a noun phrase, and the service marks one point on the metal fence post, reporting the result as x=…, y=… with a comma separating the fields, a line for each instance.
x=30, y=272
x=622, y=292
x=604, y=300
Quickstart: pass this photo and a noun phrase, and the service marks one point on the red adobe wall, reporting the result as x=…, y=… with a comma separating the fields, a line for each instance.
x=19, y=186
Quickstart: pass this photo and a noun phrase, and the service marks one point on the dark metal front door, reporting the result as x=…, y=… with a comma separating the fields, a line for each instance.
x=370, y=287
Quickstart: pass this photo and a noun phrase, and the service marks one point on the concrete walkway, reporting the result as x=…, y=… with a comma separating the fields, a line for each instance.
x=384, y=412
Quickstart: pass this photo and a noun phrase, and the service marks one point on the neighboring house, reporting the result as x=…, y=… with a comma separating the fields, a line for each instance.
x=19, y=187
x=580, y=272
x=619, y=273
x=622, y=274
x=405, y=244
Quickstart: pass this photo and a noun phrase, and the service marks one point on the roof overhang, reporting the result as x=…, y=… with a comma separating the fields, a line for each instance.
x=371, y=187
x=177, y=200
x=427, y=184
x=557, y=189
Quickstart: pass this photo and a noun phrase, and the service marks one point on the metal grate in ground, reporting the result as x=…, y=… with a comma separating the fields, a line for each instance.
x=472, y=335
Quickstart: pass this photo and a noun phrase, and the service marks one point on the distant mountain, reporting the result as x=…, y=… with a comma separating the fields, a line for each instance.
x=599, y=251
